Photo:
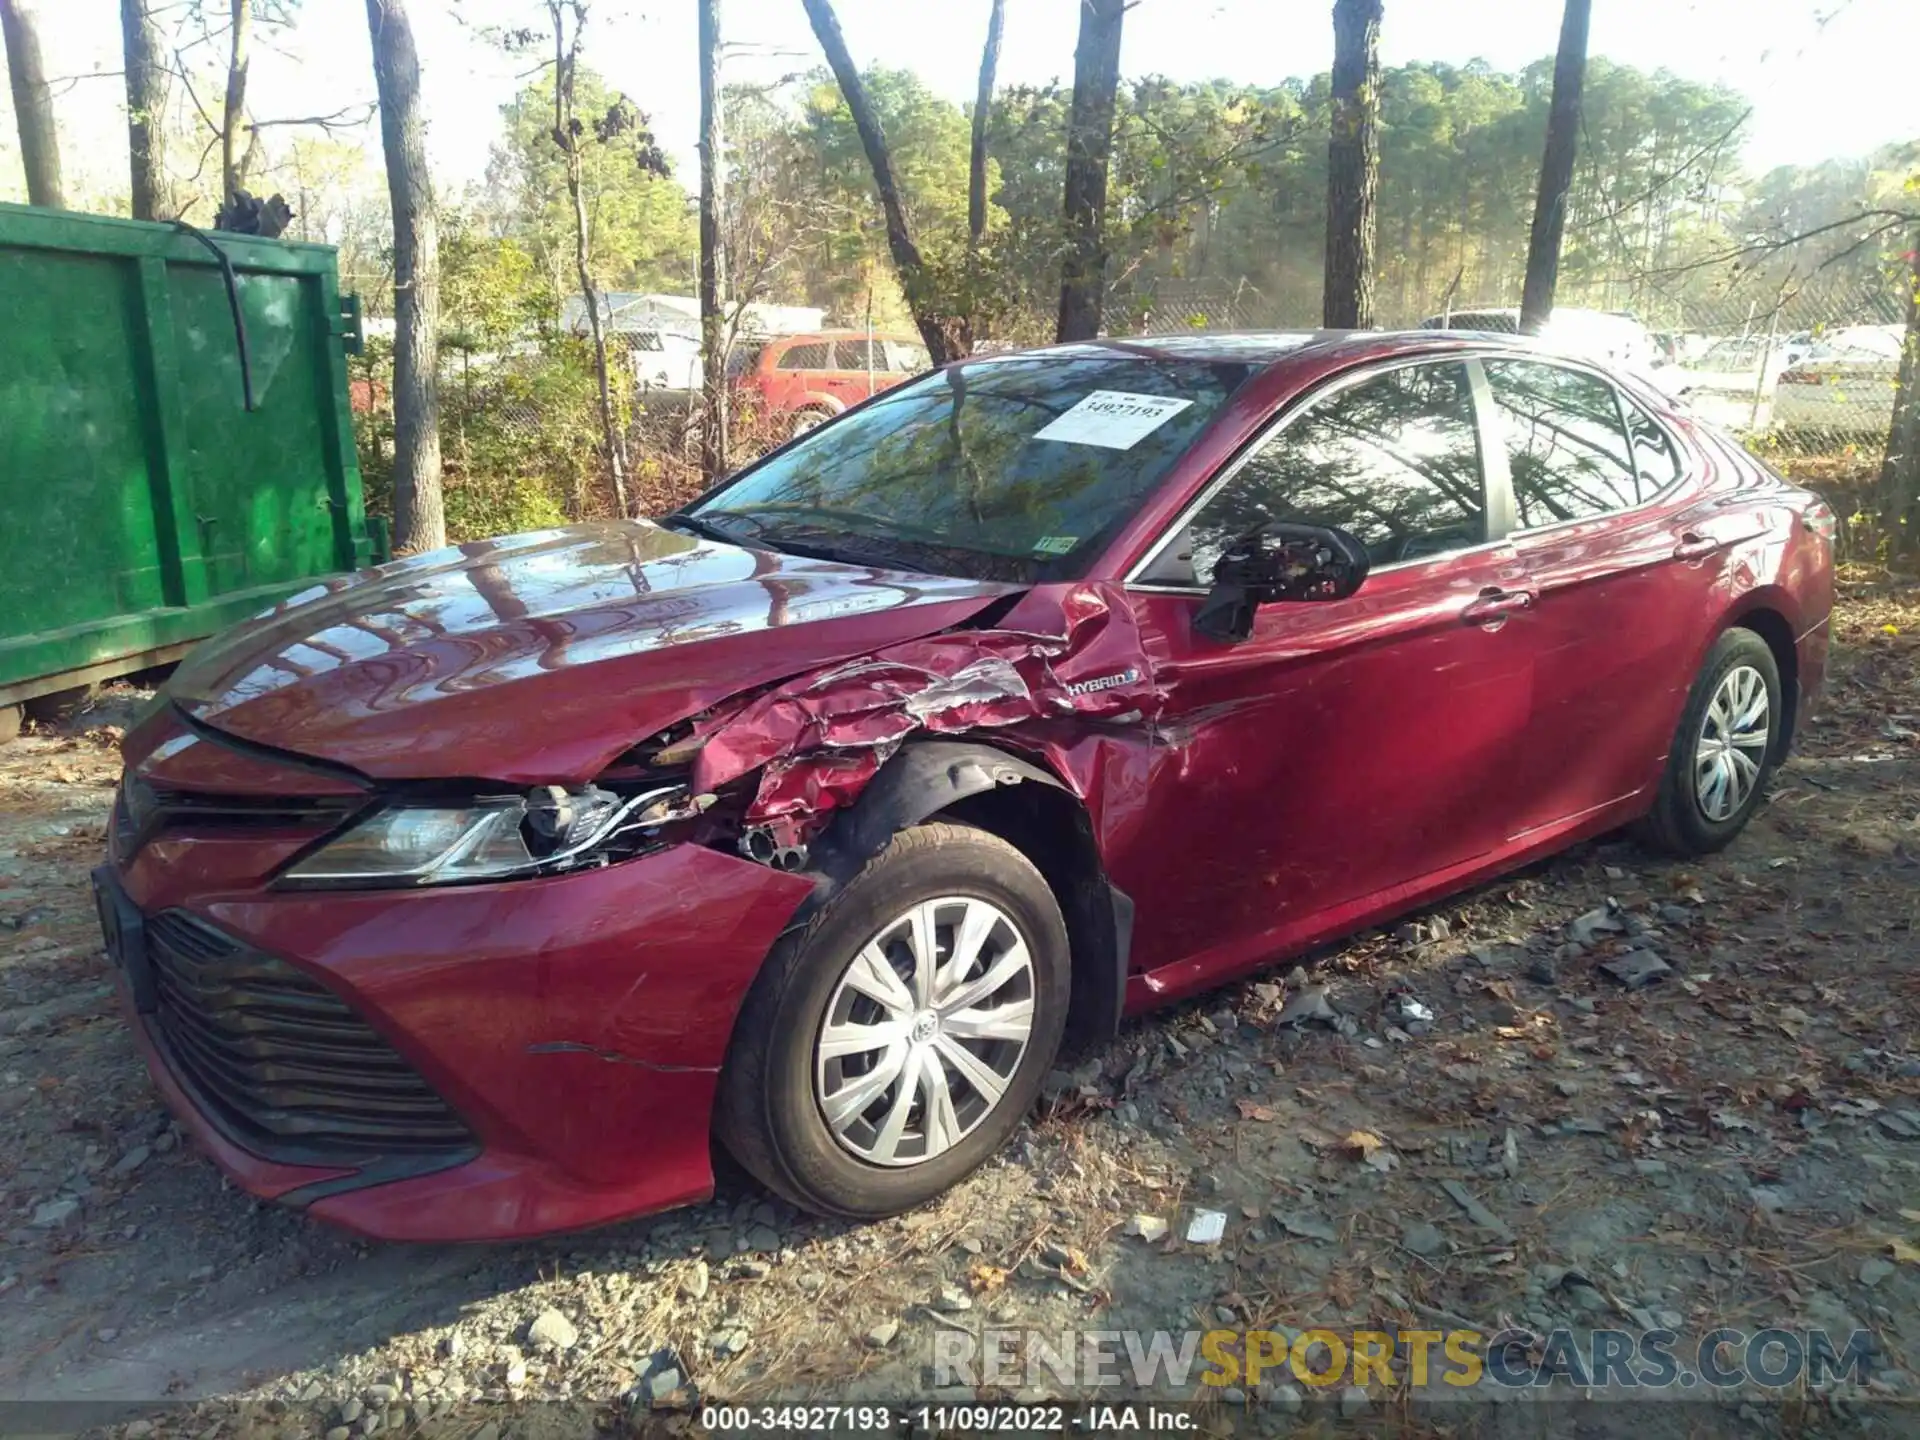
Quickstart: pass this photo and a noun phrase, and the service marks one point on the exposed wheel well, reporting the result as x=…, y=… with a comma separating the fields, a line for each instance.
x=1771, y=626
x=1051, y=829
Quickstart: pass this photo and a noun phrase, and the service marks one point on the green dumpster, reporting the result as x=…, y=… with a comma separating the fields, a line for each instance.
x=176, y=445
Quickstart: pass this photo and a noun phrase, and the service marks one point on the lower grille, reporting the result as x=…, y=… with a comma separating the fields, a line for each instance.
x=282, y=1065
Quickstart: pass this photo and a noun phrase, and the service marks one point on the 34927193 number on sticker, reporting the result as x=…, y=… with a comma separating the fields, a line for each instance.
x=746, y=1420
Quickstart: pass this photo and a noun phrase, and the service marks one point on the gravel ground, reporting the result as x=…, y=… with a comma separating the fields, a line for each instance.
x=1465, y=1120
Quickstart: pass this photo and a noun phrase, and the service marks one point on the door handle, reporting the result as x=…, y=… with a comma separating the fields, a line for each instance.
x=1494, y=604
x=1694, y=546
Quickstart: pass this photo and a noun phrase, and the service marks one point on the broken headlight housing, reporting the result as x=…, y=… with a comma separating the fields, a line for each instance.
x=544, y=831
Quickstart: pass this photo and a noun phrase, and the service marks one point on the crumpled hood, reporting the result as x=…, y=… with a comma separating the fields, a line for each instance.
x=539, y=658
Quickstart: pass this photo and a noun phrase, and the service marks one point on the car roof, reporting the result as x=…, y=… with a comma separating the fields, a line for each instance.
x=814, y=336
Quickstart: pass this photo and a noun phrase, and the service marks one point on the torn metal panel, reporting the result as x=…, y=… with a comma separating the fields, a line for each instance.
x=818, y=740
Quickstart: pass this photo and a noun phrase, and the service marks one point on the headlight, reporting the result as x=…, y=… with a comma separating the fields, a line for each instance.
x=494, y=838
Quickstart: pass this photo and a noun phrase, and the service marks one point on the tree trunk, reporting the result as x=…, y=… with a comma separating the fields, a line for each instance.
x=945, y=336
x=146, y=73
x=1096, y=81
x=1899, y=501
x=982, y=106
x=1556, y=168
x=419, y=517
x=713, y=275
x=565, y=56
x=32, y=106
x=1353, y=166
x=233, y=152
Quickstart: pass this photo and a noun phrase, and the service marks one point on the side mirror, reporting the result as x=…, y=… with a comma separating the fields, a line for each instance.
x=1279, y=563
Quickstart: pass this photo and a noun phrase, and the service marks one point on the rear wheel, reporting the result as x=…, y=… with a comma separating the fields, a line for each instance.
x=1723, y=751
x=895, y=1043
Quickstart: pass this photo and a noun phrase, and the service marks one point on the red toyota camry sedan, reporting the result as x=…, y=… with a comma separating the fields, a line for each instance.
x=480, y=894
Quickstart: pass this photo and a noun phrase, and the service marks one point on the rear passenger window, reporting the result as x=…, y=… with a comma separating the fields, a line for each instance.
x=1566, y=449
x=1653, y=453
x=805, y=357
x=1394, y=460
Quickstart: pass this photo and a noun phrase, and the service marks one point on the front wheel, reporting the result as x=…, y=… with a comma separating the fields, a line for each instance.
x=1723, y=751
x=895, y=1043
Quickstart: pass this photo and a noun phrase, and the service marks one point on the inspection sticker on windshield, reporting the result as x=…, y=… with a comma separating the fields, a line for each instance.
x=1113, y=419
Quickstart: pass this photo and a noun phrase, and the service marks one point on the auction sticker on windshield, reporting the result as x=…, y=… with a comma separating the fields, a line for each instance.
x=1113, y=419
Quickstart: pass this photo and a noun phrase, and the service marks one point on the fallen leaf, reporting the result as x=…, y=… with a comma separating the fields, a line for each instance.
x=1903, y=1252
x=1362, y=1142
x=1253, y=1110
x=1889, y=629
x=1913, y=1215
x=984, y=1279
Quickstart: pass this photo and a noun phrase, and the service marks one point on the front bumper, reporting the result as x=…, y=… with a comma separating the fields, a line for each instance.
x=575, y=1025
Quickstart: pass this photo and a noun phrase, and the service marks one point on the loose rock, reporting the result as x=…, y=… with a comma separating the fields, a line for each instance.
x=552, y=1331
x=1637, y=969
x=1310, y=1006
x=1423, y=1239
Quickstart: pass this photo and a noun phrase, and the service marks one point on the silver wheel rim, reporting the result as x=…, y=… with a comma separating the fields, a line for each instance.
x=924, y=1031
x=1734, y=735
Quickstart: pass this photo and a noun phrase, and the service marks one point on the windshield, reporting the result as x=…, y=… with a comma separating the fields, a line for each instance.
x=1012, y=469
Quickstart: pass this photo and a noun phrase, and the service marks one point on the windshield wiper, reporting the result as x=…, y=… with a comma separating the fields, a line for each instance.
x=705, y=529
x=781, y=543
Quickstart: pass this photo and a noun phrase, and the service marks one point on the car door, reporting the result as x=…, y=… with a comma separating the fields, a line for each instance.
x=1625, y=564
x=851, y=380
x=799, y=370
x=1348, y=748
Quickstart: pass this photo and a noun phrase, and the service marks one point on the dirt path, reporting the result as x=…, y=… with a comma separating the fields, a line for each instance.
x=1735, y=1145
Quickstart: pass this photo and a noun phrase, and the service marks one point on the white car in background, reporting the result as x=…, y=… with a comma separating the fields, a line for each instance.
x=664, y=360
x=1844, y=384
x=1741, y=366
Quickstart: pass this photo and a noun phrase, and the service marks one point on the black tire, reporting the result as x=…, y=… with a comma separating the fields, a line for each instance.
x=811, y=418
x=768, y=1115
x=1679, y=823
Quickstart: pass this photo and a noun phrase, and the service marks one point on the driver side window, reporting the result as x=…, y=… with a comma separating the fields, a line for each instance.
x=1395, y=460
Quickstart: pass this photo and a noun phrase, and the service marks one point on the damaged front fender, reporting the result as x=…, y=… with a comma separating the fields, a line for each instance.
x=819, y=740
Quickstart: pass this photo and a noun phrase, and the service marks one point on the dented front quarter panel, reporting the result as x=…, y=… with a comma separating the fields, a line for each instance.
x=1064, y=653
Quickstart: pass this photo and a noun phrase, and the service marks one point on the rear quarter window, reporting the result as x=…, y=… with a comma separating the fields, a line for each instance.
x=1567, y=449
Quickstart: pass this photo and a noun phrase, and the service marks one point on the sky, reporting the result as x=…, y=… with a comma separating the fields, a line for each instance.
x=1827, y=77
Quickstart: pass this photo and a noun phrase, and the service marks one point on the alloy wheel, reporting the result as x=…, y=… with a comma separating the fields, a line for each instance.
x=1732, y=748
x=925, y=1030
